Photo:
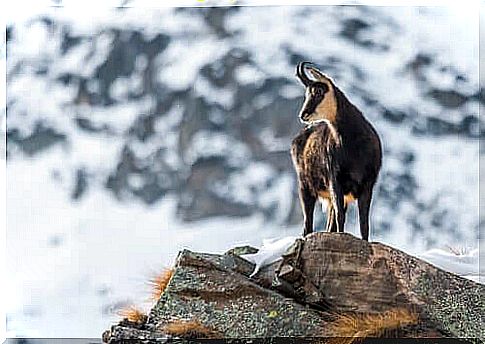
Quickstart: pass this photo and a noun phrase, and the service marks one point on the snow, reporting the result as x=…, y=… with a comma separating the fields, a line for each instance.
x=72, y=265
x=87, y=258
x=182, y=72
x=465, y=264
x=447, y=177
x=209, y=144
x=221, y=96
x=249, y=179
x=249, y=74
x=290, y=91
x=271, y=251
x=277, y=194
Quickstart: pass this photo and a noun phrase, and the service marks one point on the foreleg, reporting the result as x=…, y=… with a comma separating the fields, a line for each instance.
x=307, y=201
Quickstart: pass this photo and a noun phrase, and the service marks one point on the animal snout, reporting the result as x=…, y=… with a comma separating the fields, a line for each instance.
x=304, y=116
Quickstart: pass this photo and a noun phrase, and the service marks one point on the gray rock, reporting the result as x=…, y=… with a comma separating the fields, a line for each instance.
x=321, y=277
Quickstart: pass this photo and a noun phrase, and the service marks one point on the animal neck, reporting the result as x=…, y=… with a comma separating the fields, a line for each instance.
x=329, y=107
x=344, y=108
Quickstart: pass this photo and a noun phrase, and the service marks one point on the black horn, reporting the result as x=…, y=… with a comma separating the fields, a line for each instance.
x=300, y=73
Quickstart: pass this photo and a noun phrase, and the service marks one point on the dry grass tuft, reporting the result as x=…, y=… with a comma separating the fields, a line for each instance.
x=133, y=314
x=190, y=329
x=349, y=329
x=159, y=282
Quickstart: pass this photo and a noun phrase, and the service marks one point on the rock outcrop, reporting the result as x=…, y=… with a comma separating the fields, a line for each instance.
x=326, y=285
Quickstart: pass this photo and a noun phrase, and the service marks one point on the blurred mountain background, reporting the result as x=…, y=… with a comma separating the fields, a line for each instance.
x=134, y=132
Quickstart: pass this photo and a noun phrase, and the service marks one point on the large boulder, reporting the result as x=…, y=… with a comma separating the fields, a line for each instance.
x=321, y=282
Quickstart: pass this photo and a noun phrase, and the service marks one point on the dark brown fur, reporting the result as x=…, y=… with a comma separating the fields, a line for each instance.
x=338, y=160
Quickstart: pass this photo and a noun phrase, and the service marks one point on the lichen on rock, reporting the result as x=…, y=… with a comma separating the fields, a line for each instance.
x=321, y=280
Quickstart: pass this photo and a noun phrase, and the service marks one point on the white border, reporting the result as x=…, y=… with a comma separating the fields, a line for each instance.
x=3, y=184
x=21, y=9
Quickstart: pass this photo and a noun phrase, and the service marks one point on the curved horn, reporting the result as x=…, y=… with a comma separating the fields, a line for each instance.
x=300, y=73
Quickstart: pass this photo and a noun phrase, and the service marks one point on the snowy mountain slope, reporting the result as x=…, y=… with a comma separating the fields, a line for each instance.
x=144, y=130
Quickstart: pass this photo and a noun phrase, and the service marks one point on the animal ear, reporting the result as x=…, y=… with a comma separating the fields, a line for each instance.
x=319, y=76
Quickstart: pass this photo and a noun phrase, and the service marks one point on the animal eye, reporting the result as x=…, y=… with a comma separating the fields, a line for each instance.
x=319, y=89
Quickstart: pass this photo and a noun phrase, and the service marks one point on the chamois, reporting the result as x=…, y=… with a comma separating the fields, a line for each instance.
x=337, y=156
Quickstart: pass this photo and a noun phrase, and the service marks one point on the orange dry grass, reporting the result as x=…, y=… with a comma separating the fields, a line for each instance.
x=190, y=329
x=352, y=328
x=133, y=314
x=159, y=282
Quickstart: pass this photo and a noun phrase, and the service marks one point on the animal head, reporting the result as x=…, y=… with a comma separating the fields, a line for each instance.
x=320, y=102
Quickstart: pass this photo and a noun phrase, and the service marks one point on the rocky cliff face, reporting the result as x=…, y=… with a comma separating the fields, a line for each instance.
x=200, y=105
x=326, y=285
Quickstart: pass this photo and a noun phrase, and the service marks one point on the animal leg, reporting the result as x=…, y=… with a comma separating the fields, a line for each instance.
x=331, y=221
x=345, y=216
x=307, y=205
x=338, y=205
x=364, y=207
x=331, y=225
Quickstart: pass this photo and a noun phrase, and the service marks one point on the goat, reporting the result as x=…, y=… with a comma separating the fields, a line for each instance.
x=337, y=156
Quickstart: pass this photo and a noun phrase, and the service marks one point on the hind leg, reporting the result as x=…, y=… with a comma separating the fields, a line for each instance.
x=338, y=204
x=331, y=226
x=364, y=207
